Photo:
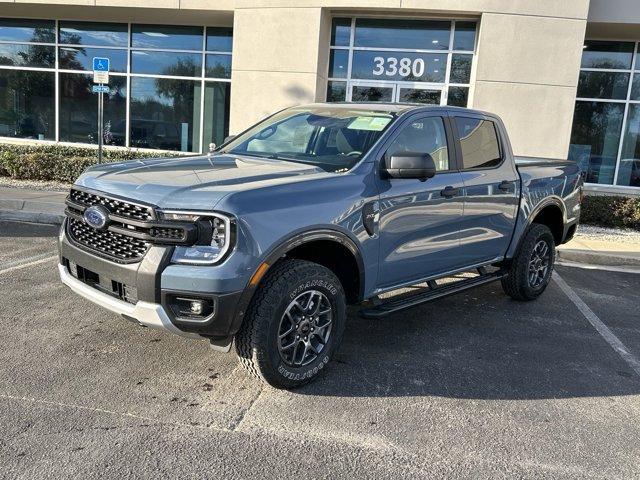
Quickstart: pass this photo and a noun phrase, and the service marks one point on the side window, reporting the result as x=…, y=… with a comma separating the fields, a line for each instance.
x=426, y=135
x=479, y=142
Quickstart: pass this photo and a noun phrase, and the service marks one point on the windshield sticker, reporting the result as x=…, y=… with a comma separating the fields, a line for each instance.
x=375, y=124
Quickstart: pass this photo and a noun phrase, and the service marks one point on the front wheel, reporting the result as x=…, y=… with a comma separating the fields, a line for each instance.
x=293, y=325
x=531, y=268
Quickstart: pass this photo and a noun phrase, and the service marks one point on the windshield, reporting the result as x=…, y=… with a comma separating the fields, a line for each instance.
x=334, y=139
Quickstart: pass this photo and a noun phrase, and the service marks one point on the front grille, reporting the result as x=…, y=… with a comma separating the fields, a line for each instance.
x=114, y=245
x=116, y=207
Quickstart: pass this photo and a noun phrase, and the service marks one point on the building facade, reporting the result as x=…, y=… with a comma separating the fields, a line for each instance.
x=563, y=75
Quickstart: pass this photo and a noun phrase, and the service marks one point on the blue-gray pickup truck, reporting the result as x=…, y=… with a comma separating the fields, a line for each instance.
x=262, y=243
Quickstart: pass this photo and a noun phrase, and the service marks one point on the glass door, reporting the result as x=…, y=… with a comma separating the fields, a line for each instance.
x=371, y=92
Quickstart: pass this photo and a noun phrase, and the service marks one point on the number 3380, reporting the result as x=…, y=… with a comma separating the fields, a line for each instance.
x=392, y=66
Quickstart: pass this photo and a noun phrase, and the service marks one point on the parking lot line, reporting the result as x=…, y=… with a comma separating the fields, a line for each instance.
x=601, y=328
x=26, y=262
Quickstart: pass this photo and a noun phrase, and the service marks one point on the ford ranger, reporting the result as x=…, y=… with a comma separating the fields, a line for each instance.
x=261, y=244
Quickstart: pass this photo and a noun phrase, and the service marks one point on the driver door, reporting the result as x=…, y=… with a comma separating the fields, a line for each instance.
x=419, y=220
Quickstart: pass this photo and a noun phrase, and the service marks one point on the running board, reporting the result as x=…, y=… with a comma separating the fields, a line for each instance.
x=433, y=292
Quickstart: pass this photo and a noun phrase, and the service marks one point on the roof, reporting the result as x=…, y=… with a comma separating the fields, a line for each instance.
x=397, y=108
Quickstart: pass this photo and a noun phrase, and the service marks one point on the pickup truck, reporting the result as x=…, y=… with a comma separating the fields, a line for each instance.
x=262, y=243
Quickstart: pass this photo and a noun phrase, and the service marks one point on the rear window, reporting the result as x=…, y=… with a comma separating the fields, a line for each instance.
x=479, y=142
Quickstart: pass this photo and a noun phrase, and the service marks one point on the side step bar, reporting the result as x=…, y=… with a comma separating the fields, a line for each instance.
x=431, y=293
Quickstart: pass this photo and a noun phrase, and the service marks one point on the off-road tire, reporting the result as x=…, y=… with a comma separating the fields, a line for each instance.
x=258, y=339
x=516, y=284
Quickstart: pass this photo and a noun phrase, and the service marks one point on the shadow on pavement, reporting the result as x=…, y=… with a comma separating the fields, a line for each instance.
x=27, y=230
x=479, y=345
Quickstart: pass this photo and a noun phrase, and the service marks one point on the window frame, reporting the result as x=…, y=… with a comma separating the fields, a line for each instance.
x=449, y=52
x=634, y=72
x=201, y=78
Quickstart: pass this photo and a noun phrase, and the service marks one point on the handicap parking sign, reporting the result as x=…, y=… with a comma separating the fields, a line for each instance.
x=100, y=64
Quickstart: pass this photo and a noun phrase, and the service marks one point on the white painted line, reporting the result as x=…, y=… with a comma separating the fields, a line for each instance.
x=602, y=329
x=27, y=262
x=606, y=268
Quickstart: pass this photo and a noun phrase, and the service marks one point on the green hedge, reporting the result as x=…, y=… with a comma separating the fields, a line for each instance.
x=58, y=162
x=610, y=211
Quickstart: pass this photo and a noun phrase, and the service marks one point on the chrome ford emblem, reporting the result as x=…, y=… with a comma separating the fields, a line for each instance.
x=96, y=217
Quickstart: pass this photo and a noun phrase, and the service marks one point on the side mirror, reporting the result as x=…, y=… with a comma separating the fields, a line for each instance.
x=409, y=165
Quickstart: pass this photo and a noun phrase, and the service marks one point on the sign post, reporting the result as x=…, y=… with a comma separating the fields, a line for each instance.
x=101, y=81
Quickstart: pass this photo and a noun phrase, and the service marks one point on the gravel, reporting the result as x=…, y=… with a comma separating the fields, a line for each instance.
x=589, y=232
x=34, y=184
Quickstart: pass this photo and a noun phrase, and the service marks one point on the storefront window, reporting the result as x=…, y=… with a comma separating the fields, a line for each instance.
x=157, y=70
x=27, y=107
x=606, y=124
x=79, y=110
x=165, y=114
x=398, y=60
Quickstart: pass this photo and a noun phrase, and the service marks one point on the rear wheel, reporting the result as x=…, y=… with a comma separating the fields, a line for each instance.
x=531, y=268
x=293, y=325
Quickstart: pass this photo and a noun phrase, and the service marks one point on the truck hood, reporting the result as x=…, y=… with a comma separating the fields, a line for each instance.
x=194, y=182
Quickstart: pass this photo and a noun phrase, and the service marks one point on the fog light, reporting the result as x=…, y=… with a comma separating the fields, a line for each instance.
x=196, y=307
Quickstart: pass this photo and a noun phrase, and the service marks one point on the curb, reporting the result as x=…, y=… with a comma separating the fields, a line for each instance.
x=598, y=258
x=31, y=217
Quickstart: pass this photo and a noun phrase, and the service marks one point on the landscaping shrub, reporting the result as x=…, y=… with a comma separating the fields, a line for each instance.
x=611, y=211
x=60, y=162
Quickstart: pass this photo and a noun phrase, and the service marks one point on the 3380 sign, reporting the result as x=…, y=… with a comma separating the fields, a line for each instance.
x=392, y=66
x=405, y=66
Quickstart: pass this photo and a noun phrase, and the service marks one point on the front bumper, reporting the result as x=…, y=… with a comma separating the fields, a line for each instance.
x=146, y=313
x=136, y=292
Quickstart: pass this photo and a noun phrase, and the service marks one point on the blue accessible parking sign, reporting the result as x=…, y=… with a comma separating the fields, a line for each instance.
x=100, y=64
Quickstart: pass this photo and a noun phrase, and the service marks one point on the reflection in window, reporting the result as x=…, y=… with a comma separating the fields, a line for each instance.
x=219, y=39
x=371, y=94
x=612, y=55
x=165, y=114
x=479, y=143
x=22, y=55
x=420, y=95
x=461, y=68
x=603, y=85
x=629, y=168
x=166, y=63
x=338, y=63
x=336, y=92
x=165, y=36
x=81, y=58
x=218, y=66
x=458, y=96
x=595, y=139
x=78, y=117
x=341, y=32
x=216, y=112
x=465, y=36
x=17, y=30
x=400, y=33
x=423, y=136
x=96, y=34
x=27, y=104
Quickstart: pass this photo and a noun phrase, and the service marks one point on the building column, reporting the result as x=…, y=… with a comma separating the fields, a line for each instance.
x=527, y=72
x=280, y=59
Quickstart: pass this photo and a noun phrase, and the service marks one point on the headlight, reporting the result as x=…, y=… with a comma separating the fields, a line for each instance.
x=214, y=239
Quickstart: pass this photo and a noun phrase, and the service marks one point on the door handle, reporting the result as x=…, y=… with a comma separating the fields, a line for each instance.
x=505, y=186
x=449, y=192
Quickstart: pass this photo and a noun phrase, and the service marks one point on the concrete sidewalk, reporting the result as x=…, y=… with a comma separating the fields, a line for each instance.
x=32, y=205
x=47, y=206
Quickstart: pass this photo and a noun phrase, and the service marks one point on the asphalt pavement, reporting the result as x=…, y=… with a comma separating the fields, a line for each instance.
x=470, y=386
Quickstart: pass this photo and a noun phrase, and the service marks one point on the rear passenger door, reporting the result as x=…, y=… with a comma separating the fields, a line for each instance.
x=491, y=188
